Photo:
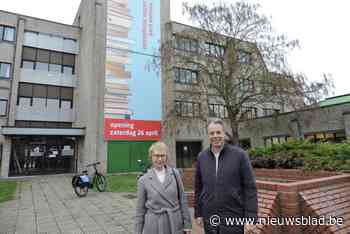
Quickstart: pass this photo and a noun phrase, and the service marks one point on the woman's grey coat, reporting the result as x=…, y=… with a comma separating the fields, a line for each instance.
x=158, y=209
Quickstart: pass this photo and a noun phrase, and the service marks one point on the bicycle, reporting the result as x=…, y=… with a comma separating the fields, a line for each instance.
x=82, y=182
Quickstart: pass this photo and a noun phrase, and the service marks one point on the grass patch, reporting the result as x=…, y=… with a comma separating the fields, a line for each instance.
x=7, y=190
x=122, y=183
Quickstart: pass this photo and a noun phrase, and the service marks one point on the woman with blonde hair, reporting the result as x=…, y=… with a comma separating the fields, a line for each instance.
x=162, y=204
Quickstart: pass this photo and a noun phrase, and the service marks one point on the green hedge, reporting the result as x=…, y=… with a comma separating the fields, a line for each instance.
x=303, y=155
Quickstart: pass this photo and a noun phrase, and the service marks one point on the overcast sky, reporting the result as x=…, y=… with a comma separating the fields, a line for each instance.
x=322, y=26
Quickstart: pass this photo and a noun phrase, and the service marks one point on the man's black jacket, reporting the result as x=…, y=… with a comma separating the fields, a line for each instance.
x=232, y=192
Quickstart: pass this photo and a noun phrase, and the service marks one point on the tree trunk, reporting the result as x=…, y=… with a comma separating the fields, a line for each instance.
x=234, y=135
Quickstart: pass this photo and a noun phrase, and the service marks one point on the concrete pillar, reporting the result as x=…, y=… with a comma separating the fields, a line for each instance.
x=346, y=118
x=6, y=154
x=16, y=71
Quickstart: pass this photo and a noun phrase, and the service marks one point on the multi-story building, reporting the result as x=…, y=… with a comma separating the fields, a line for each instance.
x=74, y=94
x=50, y=101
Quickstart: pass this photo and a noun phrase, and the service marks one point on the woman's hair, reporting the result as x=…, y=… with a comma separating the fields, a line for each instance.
x=157, y=146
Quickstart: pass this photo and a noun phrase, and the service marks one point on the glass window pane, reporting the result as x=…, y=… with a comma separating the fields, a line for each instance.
x=43, y=56
x=3, y=107
x=5, y=70
x=66, y=104
x=56, y=58
x=53, y=92
x=68, y=70
x=67, y=93
x=30, y=38
x=29, y=54
x=1, y=32
x=55, y=68
x=68, y=59
x=42, y=66
x=40, y=91
x=28, y=64
x=25, y=90
x=9, y=34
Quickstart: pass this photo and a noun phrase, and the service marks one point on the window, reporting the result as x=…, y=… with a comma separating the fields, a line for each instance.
x=187, y=109
x=335, y=137
x=249, y=113
x=28, y=91
x=218, y=111
x=270, y=111
x=3, y=107
x=7, y=33
x=185, y=76
x=243, y=57
x=246, y=85
x=186, y=44
x=47, y=60
x=215, y=79
x=272, y=140
x=214, y=49
x=5, y=70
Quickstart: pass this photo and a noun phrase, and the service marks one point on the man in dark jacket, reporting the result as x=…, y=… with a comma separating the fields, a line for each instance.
x=224, y=184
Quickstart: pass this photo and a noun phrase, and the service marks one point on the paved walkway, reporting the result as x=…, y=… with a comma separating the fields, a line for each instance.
x=48, y=204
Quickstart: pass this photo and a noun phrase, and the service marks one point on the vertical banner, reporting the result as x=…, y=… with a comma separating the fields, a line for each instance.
x=133, y=85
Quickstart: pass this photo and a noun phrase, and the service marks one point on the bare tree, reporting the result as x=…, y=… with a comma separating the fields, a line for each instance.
x=241, y=64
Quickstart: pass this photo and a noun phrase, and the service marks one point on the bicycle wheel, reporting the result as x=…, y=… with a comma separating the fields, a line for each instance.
x=81, y=189
x=100, y=182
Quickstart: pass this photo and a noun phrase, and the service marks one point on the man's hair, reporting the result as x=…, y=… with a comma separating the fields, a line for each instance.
x=216, y=121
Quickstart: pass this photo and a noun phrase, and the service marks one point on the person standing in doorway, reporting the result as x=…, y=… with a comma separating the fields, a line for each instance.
x=225, y=184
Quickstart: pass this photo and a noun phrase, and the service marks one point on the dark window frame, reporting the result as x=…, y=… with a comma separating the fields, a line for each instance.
x=213, y=113
x=61, y=64
x=192, y=43
x=6, y=107
x=216, y=47
x=10, y=75
x=177, y=76
x=2, y=35
x=184, y=112
x=60, y=98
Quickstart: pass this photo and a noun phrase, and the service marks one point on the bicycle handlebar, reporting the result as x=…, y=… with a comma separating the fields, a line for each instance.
x=93, y=164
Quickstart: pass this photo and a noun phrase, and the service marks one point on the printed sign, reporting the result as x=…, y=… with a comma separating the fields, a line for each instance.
x=123, y=129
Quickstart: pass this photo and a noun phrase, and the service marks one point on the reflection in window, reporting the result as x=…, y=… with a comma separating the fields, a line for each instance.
x=5, y=70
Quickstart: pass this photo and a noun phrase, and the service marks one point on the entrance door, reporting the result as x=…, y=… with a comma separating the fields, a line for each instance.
x=187, y=152
x=123, y=156
x=33, y=155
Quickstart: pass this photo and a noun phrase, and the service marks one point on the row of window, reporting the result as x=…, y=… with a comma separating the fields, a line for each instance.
x=185, y=76
x=192, y=109
x=190, y=45
x=46, y=60
x=7, y=33
x=187, y=109
x=41, y=124
x=5, y=70
x=50, y=41
x=29, y=91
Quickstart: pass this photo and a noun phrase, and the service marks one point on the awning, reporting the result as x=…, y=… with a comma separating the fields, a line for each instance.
x=13, y=131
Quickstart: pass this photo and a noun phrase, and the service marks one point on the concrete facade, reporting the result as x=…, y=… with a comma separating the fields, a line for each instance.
x=88, y=32
x=258, y=131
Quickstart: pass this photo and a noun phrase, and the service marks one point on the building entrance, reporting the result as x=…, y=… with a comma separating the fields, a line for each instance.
x=33, y=155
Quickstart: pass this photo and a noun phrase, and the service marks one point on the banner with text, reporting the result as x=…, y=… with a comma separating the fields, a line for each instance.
x=138, y=130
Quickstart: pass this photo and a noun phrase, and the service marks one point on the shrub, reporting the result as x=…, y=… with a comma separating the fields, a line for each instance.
x=303, y=155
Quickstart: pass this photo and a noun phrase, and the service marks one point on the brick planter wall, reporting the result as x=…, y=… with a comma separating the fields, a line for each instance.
x=298, y=198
